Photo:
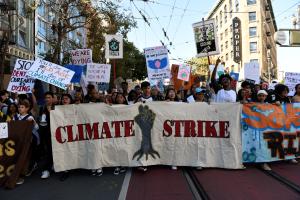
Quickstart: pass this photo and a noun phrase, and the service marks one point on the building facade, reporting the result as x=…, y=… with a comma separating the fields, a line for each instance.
x=20, y=24
x=257, y=30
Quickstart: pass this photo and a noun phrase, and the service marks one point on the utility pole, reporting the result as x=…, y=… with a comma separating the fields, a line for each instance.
x=7, y=7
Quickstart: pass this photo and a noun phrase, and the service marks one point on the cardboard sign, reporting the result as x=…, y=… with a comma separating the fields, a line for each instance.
x=205, y=37
x=184, y=72
x=51, y=73
x=113, y=47
x=291, y=80
x=20, y=82
x=157, y=61
x=252, y=71
x=98, y=72
x=81, y=56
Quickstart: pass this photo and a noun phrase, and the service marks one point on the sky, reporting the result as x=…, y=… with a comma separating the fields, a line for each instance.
x=178, y=22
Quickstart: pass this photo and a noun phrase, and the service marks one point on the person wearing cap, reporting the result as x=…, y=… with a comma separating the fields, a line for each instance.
x=199, y=95
x=262, y=96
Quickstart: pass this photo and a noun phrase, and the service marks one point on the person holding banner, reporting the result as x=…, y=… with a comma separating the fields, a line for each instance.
x=171, y=95
x=121, y=99
x=226, y=94
x=296, y=97
x=132, y=97
x=146, y=94
x=45, y=134
x=12, y=110
x=24, y=114
x=200, y=95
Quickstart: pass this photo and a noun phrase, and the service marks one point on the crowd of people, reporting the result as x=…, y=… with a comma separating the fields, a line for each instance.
x=25, y=107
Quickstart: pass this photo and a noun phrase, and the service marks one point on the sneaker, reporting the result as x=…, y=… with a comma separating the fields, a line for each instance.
x=30, y=171
x=122, y=169
x=98, y=172
x=45, y=174
x=144, y=169
x=174, y=167
x=199, y=168
x=266, y=167
x=117, y=171
x=294, y=161
x=64, y=176
x=20, y=181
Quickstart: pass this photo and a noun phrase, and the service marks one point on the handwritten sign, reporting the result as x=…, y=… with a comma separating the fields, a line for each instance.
x=252, y=71
x=81, y=56
x=157, y=61
x=20, y=82
x=51, y=73
x=291, y=80
x=3, y=130
x=184, y=72
x=98, y=72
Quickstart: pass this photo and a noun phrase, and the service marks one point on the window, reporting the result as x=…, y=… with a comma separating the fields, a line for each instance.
x=231, y=41
x=231, y=54
x=237, y=4
x=226, y=32
x=253, y=60
x=252, y=16
x=225, y=14
x=222, y=48
x=226, y=56
x=41, y=10
x=41, y=27
x=253, y=46
x=22, y=10
x=22, y=39
x=252, y=31
x=230, y=7
x=226, y=44
x=220, y=17
x=231, y=28
x=251, y=2
x=41, y=47
x=221, y=36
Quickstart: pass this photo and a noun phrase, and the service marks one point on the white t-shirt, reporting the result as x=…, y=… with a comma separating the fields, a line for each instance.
x=226, y=96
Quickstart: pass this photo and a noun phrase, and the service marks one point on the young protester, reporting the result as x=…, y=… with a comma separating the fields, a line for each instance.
x=199, y=95
x=121, y=99
x=113, y=97
x=124, y=86
x=226, y=94
x=12, y=110
x=45, y=134
x=171, y=95
x=138, y=90
x=24, y=114
x=132, y=97
x=156, y=95
x=296, y=97
x=78, y=97
x=146, y=95
x=261, y=98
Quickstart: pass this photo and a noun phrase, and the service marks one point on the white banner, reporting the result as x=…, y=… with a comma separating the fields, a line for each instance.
x=81, y=56
x=90, y=136
x=98, y=73
x=291, y=80
x=113, y=46
x=157, y=61
x=20, y=82
x=51, y=73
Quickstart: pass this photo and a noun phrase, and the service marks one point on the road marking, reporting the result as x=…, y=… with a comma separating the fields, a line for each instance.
x=125, y=185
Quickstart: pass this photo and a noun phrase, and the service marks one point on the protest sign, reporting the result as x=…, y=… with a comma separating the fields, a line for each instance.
x=98, y=72
x=14, y=152
x=291, y=80
x=252, y=71
x=83, y=84
x=51, y=73
x=81, y=56
x=3, y=130
x=235, y=79
x=146, y=134
x=184, y=72
x=78, y=69
x=220, y=70
x=157, y=61
x=113, y=46
x=180, y=84
x=20, y=82
x=270, y=132
x=205, y=37
x=103, y=86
